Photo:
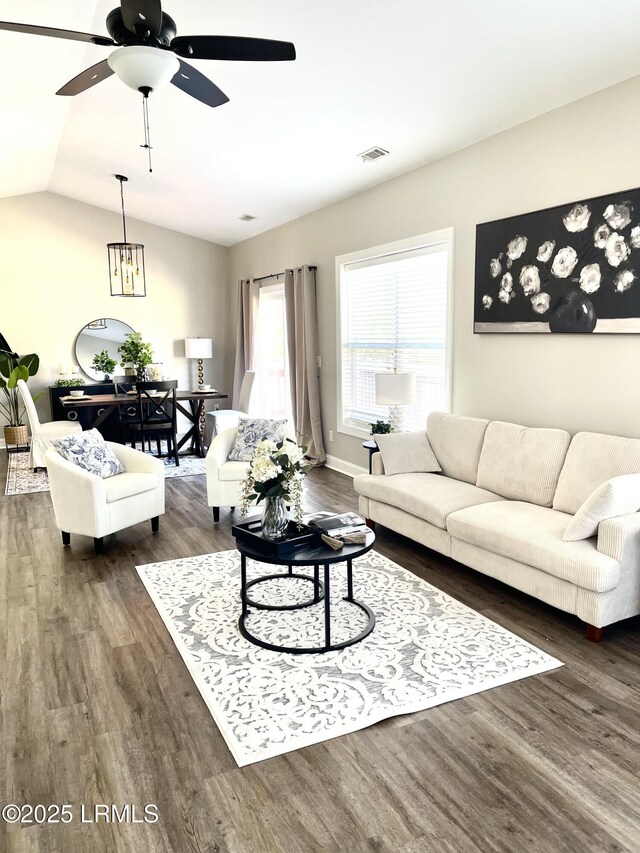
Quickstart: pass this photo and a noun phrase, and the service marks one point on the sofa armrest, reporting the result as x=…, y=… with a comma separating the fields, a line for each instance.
x=219, y=450
x=377, y=465
x=620, y=538
x=78, y=497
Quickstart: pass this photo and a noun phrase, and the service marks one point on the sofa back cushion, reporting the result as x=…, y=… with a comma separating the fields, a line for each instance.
x=593, y=459
x=456, y=442
x=522, y=463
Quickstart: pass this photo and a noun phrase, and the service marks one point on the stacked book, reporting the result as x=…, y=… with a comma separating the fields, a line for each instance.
x=337, y=526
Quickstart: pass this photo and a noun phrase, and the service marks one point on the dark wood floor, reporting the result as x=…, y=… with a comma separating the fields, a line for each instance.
x=97, y=707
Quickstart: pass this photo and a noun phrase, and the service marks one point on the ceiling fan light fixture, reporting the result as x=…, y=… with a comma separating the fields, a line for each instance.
x=141, y=67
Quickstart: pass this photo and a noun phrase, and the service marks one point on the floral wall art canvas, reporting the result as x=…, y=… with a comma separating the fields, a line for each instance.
x=574, y=268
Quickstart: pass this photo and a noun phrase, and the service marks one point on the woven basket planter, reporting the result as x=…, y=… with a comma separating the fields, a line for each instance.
x=16, y=435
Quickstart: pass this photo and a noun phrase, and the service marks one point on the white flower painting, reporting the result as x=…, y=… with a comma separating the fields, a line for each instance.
x=540, y=303
x=618, y=216
x=623, y=280
x=545, y=251
x=577, y=219
x=564, y=262
x=616, y=250
x=590, y=278
x=601, y=235
x=530, y=279
x=495, y=267
x=516, y=247
x=573, y=268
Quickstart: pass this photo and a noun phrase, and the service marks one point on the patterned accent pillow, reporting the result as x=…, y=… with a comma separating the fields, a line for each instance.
x=89, y=450
x=251, y=431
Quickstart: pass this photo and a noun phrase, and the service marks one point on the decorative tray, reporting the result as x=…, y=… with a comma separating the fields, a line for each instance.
x=75, y=399
x=249, y=533
x=203, y=391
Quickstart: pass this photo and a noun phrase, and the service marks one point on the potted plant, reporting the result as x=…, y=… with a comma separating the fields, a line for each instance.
x=381, y=428
x=136, y=353
x=103, y=363
x=12, y=368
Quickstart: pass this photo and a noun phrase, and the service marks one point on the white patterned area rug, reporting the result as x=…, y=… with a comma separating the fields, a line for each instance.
x=425, y=649
x=22, y=480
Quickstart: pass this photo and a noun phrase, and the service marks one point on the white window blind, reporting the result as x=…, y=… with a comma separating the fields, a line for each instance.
x=394, y=316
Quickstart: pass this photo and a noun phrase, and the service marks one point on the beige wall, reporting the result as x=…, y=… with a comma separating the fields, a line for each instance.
x=55, y=279
x=585, y=149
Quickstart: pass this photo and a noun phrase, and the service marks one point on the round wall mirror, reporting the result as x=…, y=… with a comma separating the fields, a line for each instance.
x=103, y=334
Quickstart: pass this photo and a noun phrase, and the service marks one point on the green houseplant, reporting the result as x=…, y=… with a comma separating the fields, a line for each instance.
x=103, y=363
x=381, y=428
x=12, y=368
x=137, y=353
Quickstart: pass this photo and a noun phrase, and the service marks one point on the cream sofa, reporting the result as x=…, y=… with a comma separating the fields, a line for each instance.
x=502, y=503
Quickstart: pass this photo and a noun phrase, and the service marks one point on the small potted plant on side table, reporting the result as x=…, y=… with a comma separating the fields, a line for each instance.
x=103, y=363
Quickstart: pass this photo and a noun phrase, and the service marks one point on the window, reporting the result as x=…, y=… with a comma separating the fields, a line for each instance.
x=394, y=314
x=271, y=394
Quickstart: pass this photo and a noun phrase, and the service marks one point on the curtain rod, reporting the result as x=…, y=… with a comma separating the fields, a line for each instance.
x=277, y=274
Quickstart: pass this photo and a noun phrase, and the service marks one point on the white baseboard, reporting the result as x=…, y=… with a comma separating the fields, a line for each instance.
x=344, y=467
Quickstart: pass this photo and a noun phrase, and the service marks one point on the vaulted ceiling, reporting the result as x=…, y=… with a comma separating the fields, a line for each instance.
x=418, y=77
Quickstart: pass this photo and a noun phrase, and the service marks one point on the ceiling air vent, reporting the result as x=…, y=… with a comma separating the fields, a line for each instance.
x=373, y=154
x=246, y=217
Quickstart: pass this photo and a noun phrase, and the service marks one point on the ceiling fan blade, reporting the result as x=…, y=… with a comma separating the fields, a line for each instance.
x=198, y=86
x=90, y=77
x=142, y=15
x=54, y=33
x=233, y=47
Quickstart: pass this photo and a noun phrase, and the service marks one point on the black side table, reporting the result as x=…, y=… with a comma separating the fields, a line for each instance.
x=314, y=556
x=372, y=447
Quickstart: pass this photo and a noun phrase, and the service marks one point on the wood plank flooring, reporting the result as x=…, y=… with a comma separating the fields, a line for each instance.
x=96, y=706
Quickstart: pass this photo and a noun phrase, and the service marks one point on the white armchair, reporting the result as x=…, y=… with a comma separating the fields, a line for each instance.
x=224, y=478
x=42, y=434
x=86, y=504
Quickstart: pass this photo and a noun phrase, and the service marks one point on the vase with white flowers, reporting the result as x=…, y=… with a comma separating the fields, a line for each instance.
x=275, y=475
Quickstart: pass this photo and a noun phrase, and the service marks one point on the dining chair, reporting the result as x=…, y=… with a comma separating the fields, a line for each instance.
x=42, y=435
x=216, y=422
x=156, y=416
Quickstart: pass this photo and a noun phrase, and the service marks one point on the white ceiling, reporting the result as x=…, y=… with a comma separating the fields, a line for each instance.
x=420, y=78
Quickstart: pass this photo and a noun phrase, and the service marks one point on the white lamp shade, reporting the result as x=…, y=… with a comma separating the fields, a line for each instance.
x=139, y=66
x=395, y=389
x=198, y=347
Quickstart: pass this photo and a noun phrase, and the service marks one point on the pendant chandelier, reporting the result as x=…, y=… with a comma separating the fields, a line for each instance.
x=126, y=260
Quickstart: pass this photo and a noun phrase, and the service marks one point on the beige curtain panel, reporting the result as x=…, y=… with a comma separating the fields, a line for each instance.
x=302, y=347
x=248, y=293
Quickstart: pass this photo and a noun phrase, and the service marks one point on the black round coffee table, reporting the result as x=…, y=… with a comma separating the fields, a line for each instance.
x=315, y=556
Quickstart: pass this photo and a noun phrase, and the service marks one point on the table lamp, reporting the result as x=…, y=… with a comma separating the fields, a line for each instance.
x=395, y=390
x=199, y=348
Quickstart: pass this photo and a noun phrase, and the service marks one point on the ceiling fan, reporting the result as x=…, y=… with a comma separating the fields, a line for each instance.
x=150, y=52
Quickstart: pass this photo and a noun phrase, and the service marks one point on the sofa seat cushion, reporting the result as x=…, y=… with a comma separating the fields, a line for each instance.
x=230, y=472
x=533, y=535
x=428, y=496
x=126, y=485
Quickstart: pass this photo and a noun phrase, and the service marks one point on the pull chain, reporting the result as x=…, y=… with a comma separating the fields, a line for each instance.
x=145, y=120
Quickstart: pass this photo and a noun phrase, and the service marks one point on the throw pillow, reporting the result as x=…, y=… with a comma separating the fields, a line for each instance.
x=251, y=431
x=407, y=453
x=618, y=496
x=89, y=450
